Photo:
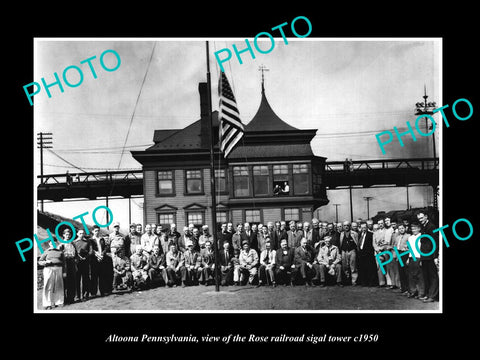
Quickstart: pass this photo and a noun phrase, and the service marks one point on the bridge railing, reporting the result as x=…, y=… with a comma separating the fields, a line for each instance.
x=408, y=163
x=100, y=176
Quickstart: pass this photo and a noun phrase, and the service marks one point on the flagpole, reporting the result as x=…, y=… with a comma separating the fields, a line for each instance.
x=212, y=175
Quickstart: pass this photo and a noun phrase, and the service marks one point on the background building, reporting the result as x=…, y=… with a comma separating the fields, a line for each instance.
x=272, y=174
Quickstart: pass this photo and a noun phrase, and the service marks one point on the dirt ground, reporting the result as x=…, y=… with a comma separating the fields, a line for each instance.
x=251, y=298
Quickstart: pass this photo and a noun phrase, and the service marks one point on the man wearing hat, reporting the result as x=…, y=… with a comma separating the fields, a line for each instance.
x=328, y=261
x=248, y=263
x=116, y=240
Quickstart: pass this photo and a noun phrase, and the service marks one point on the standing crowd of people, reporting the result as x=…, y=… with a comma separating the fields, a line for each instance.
x=312, y=253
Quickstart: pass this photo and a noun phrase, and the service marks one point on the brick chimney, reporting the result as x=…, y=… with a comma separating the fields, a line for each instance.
x=204, y=116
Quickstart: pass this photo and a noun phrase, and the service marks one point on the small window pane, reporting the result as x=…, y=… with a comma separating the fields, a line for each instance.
x=195, y=218
x=241, y=186
x=292, y=214
x=252, y=216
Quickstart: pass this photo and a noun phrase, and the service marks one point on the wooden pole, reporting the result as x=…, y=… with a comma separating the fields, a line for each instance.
x=212, y=176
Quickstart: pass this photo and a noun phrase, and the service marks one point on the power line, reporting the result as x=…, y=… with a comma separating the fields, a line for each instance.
x=68, y=162
x=136, y=103
x=93, y=168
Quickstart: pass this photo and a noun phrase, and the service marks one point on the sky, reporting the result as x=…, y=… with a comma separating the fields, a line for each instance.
x=348, y=90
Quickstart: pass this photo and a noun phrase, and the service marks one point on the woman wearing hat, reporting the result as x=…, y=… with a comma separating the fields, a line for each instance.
x=53, y=262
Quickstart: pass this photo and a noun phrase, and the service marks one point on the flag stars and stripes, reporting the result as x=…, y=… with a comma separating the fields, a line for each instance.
x=231, y=127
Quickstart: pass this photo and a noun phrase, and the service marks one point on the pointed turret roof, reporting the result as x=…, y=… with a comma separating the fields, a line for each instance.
x=266, y=120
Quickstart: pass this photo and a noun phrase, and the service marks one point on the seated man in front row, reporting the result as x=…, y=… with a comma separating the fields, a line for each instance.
x=206, y=265
x=304, y=262
x=174, y=261
x=266, y=270
x=328, y=261
x=156, y=268
x=284, y=260
x=226, y=265
x=248, y=263
x=191, y=264
x=122, y=276
x=138, y=265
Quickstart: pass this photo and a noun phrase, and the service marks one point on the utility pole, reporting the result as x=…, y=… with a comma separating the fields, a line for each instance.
x=351, y=204
x=336, y=212
x=44, y=141
x=426, y=108
x=368, y=198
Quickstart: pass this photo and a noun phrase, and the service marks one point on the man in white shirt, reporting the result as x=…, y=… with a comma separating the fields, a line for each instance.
x=267, y=265
x=148, y=240
x=393, y=277
x=379, y=246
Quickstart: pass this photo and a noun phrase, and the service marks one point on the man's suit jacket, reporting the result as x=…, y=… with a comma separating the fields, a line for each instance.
x=224, y=236
x=208, y=258
x=368, y=249
x=285, y=260
x=303, y=256
x=426, y=245
x=354, y=236
x=222, y=259
x=251, y=238
x=281, y=234
x=294, y=237
x=262, y=239
x=273, y=239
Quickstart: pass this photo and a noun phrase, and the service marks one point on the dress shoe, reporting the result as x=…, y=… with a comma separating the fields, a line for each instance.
x=428, y=300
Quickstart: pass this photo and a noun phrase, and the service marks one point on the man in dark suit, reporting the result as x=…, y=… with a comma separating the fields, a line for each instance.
x=226, y=266
x=281, y=230
x=304, y=262
x=98, y=253
x=226, y=234
x=348, y=247
x=273, y=236
x=250, y=236
x=285, y=266
x=429, y=262
x=367, y=269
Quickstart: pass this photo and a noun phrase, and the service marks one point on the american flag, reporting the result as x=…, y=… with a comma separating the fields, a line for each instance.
x=231, y=127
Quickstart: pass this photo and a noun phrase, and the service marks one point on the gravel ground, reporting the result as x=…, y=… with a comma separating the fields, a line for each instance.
x=251, y=298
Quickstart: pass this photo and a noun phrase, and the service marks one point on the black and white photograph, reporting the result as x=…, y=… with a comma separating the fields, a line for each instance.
x=326, y=156
x=240, y=179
